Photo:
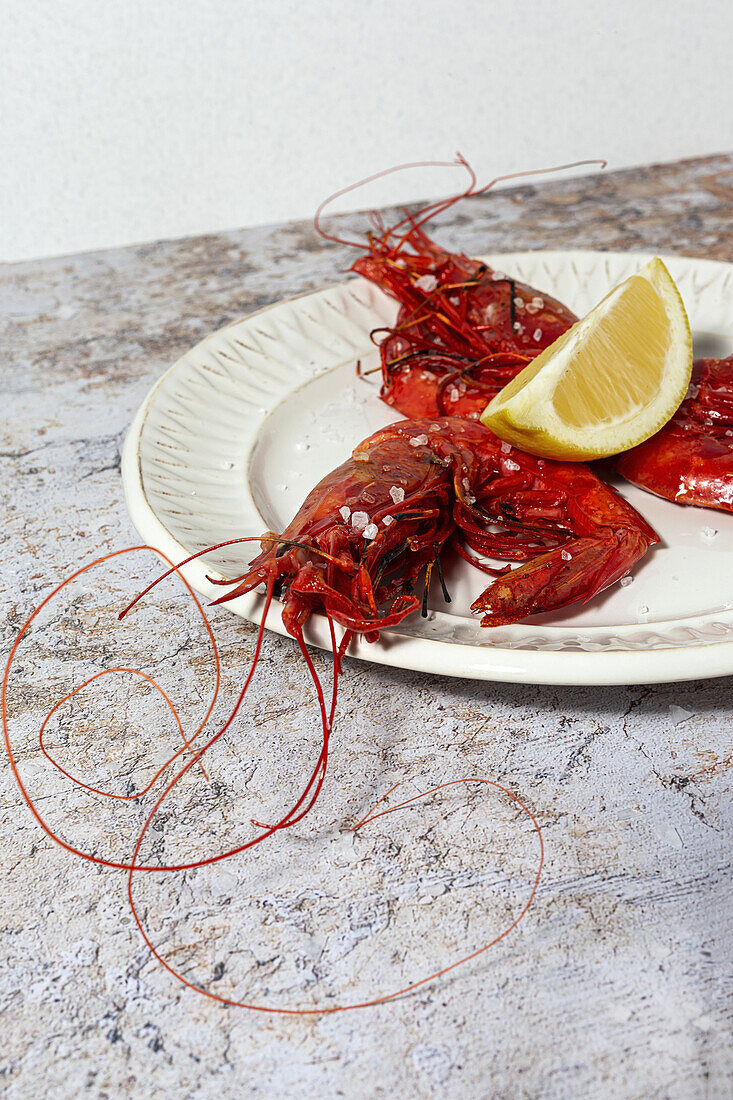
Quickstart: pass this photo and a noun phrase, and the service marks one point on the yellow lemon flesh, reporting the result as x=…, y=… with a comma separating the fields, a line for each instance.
x=609, y=382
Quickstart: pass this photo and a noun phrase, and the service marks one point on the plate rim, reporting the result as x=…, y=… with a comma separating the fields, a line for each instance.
x=424, y=654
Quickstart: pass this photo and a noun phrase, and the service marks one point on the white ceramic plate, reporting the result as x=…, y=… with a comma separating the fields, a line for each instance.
x=233, y=436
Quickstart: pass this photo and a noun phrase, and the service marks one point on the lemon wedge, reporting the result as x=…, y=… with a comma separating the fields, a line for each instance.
x=609, y=382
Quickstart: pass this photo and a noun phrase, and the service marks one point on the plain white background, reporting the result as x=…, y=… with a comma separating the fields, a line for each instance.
x=134, y=120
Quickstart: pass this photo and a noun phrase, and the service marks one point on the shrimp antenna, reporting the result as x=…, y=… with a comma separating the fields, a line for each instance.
x=458, y=163
x=431, y=210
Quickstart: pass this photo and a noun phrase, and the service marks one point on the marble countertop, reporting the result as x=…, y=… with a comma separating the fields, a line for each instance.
x=618, y=981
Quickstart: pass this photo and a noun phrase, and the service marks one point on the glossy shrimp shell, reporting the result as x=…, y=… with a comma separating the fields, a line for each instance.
x=690, y=460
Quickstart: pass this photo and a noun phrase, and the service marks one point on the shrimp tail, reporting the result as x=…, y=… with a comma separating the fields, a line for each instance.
x=562, y=576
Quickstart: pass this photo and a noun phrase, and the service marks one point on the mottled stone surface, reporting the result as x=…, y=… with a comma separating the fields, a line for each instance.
x=617, y=984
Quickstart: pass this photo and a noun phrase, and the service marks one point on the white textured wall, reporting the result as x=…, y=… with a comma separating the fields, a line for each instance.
x=137, y=119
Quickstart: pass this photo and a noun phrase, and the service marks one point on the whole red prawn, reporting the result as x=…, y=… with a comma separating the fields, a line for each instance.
x=370, y=528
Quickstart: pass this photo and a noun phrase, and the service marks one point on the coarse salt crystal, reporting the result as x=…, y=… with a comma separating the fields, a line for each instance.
x=370, y=531
x=708, y=422
x=435, y=427
x=499, y=276
x=519, y=304
x=626, y=581
x=397, y=493
x=518, y=327
x=453, y=393
x=426, y=283
x=509, y=465
x=537, y=334
x=566, y=555
x=679, y=714
x=345, y=512
x=506, y=448
x=473, y=416
x=388, y=521
x=418, y=441
x=361, y=456
x=643, y=609
x=708, y=532
x=729, y=432
x=359, y=520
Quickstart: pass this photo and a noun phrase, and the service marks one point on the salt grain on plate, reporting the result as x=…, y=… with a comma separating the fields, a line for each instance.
x=370, y=531
x=708, y=532
x=626, y=581
x=397, y=493
x=643, y=609
x=359, y=520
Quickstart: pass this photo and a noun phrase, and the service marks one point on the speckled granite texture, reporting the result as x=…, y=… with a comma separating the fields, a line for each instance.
x=618, y=983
